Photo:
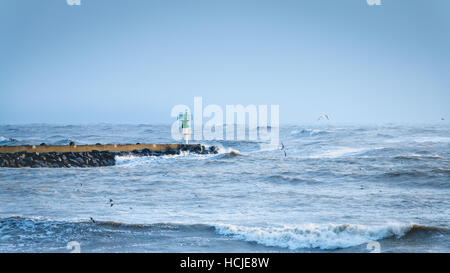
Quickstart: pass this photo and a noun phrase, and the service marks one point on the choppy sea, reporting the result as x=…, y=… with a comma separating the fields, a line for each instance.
x=337, y=188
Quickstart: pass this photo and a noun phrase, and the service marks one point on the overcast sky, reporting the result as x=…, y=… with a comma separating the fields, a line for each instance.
x=123, y=61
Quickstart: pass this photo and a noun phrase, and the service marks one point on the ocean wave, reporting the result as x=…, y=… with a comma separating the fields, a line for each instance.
x=283, y=178
x=416, y=157
x=423, y=139
x=441, y=171
x=65, y=141
x=384, y=135
x=309, y=132
x=228, y=151
x=339, y=152
x=322, y=236
x=143, y=160
x=434, y=139
x=414, y=173
x=310, y=236
x=7, y=140
x=35, y=227
x=133, y=160
x=399, y=173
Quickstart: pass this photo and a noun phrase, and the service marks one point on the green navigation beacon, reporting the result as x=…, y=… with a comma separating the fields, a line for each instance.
x=185, y=129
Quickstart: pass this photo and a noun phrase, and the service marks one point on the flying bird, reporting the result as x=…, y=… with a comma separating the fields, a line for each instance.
x=323, y=117
x=283, y=149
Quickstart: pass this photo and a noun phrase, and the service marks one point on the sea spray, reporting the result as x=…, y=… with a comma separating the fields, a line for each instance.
x=321, y=236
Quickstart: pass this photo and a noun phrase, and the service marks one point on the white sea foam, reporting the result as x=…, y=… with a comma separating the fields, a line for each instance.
x=265, y=147
x=229, y=151
x=3, y=139
x=423, y=139
x=339, y=152
x=432, y=139
x=310, y=132
x=330, y=236
x=225, y=150
x=132, y=160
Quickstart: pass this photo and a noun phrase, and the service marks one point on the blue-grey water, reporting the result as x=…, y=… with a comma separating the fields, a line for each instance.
x=337, y=188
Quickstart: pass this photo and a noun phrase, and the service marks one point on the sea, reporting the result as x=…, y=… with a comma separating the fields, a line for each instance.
x=327, y=188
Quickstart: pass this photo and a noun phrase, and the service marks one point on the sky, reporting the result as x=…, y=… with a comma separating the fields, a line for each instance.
x=131, y=61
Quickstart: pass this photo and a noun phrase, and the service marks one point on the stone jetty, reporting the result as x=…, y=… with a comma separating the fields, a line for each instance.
x=58, y=156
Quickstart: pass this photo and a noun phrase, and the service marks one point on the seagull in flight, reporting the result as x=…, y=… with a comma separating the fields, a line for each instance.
x=323, y=117
x=283, y=149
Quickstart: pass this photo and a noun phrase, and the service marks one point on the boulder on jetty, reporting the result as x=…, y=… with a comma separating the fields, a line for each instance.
x=92, y=158
x=57, y=160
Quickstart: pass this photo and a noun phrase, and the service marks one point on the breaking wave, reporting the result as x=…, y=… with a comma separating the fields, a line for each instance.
x=435, y=139
x=133, y=160
x=7, y=140
x=329, y=236
x=416, y=173
x=228, y=152
x=283, y=178
x=416, y=157
x=309, y=132
x=339, y=152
